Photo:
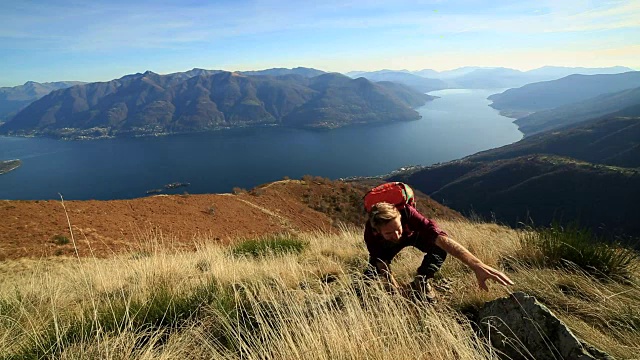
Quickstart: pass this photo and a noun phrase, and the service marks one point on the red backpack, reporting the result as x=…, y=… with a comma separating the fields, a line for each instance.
x=396, y=193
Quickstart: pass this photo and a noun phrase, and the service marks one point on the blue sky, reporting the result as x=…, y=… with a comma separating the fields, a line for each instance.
x=101, y=40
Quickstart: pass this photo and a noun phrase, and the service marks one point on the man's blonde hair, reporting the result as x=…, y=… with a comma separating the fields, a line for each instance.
x=382, y=213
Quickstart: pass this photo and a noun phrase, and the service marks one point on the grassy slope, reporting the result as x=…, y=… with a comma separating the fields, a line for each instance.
x=298, y=305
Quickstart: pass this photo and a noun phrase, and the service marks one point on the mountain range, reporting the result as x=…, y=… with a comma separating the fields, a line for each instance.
x=474, y=77
x=200, y=100
x=14, y=99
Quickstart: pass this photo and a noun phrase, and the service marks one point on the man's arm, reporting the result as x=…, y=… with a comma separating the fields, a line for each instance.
x=483, y=271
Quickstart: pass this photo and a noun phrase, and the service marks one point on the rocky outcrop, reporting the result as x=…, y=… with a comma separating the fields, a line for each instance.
x=520, y=327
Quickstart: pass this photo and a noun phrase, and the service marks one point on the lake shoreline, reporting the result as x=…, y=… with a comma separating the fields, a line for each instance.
x=104, y=133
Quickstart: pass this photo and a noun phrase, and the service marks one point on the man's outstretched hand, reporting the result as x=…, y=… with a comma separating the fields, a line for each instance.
x=484, y=272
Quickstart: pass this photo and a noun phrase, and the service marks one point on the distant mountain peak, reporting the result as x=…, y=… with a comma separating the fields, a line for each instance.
x=16, y=98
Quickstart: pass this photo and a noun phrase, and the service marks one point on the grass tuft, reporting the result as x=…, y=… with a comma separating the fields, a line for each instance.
x=164, y=312
x=269, y=246
x=60, y=240
x=571, y=247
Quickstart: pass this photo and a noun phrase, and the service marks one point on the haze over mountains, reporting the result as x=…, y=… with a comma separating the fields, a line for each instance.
x=474, y=77
x=302, y=71
x=418, y=82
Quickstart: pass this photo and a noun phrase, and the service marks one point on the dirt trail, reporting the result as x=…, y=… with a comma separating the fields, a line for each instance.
x=285, y=223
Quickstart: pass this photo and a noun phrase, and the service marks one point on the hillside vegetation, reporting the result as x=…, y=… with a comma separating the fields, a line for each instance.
x=297, y=295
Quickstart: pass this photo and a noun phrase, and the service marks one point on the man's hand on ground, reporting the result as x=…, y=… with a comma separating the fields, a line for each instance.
x=484, y=272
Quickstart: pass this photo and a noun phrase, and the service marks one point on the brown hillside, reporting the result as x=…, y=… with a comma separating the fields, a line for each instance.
x=102, y=228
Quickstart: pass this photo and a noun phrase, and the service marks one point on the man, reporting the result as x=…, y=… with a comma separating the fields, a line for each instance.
x=388, y=231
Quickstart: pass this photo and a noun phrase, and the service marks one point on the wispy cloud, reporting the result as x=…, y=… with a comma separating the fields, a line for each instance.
x=180, y=34
x=553, y=17
x=106, y=26
x=619, y=16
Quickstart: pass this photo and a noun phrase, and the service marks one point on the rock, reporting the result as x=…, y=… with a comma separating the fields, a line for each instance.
x=520, y=327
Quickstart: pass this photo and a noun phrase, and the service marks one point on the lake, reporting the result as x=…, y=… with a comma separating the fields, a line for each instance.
x=457, y=124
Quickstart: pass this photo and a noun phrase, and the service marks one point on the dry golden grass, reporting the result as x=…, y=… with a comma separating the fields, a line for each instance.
x=310, y=305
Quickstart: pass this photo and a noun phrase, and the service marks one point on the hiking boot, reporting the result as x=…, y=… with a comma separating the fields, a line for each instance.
x=422, y=290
